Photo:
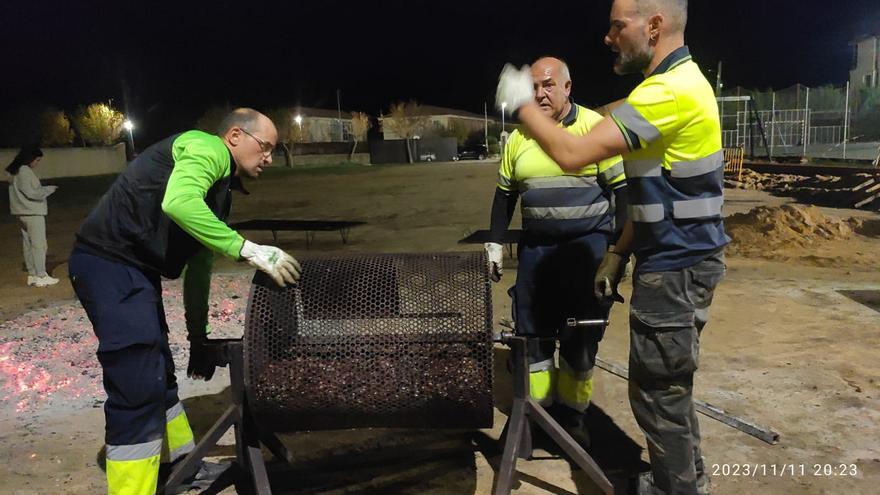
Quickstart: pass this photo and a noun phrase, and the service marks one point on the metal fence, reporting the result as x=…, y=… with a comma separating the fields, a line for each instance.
x=823, y=122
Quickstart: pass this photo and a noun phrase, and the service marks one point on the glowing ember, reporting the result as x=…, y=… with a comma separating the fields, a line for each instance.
x=49, y=353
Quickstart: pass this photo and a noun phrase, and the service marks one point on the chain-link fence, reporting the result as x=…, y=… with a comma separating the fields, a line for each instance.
x=826, y=122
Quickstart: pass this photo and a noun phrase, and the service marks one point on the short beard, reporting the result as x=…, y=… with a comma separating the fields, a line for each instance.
x=633, y=63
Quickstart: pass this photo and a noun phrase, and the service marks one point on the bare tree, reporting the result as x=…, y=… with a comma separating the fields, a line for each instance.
x=404, y=119
x=360, y=125
x=99, y=124
x=283, y=120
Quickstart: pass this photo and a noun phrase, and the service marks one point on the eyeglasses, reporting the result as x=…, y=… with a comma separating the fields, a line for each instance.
x=265, y=146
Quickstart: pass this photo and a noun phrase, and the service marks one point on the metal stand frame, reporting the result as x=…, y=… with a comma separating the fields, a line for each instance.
x=248, y=436
x=518, y=442
x=517, y=435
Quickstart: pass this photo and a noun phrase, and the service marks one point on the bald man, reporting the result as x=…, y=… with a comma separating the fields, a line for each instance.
x=669, y=134
x=568, y=221
x=164, y=213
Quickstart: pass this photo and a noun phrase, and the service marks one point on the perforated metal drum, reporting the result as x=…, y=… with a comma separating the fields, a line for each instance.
x=399, y=340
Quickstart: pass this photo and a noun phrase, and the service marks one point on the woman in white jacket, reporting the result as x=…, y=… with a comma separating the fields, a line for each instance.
x=27, y=201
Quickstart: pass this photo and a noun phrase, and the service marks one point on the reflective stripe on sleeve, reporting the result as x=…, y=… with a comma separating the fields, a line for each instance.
x=634, y=121
x=610, y=173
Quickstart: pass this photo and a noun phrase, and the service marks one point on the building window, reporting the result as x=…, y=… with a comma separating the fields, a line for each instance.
x=868, y=80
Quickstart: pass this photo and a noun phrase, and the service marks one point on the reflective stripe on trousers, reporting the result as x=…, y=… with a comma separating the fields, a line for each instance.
x=133, y=469
x=178, y=434
x=542, y=382
x=574, y=388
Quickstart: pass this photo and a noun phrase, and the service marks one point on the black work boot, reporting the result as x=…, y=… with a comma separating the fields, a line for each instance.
x=646, y=484
x=205, y=475
x=573, y=422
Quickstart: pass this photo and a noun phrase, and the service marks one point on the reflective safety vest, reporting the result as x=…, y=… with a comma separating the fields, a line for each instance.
x=675, y=167
x=556, y=204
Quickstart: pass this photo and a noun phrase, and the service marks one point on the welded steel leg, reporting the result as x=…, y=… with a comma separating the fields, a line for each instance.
x=504, y=481
x=518, y=441
x=190, y=463
x=230, y=418
x=518, y=428
x=236, y=380
x=273, y=443
x=569, y=445
x=255, y=454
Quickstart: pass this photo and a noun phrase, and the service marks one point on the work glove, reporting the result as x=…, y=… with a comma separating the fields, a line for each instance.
x=51, y=189
x=495, y=253
x=607, y=277
x=201, y=361
x=515, y=87
x=273, y=261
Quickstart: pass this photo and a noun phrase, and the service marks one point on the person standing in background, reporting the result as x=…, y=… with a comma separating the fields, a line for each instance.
x=27, y=201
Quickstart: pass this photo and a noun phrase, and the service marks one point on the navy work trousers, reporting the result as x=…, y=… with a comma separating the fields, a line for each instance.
x=124, y=305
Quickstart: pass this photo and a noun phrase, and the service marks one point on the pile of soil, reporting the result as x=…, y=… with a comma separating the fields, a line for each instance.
x=786, y=231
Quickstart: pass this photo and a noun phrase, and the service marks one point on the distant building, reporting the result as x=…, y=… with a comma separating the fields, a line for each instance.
x=321, y=125
x=442, y=117
x=866, y=61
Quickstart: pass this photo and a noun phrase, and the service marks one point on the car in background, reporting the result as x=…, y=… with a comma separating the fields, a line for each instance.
x=427, y=157
x=478, y=152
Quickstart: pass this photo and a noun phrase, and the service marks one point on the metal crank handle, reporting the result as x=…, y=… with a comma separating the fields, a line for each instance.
x=575, y=323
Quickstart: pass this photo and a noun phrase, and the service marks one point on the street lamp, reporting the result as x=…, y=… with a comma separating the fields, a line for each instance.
x=299, y=122
x=129, y=126
x=503, y=109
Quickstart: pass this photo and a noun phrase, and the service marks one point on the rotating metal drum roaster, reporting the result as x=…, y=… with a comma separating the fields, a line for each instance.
x=394, y=340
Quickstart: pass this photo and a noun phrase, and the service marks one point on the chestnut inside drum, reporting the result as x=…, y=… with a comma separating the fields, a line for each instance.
x=391, y=340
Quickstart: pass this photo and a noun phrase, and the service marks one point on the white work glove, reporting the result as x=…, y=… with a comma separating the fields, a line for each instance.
x=515, y=87
x=495, y=253
x=608, y=277
x=51, y=190
x=273, y=261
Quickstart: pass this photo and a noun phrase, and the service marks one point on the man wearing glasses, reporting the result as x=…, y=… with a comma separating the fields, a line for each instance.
x=165, y=213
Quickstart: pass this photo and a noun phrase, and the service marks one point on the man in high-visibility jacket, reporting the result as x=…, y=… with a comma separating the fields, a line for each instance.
x=669, y=134
x=164, y=213
x=568, y=220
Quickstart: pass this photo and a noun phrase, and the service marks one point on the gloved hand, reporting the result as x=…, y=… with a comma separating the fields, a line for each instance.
x=607, y=277
x=51, y=189
x=273, y=261
x=495, y=252
x=515, y=87
x=201, y=362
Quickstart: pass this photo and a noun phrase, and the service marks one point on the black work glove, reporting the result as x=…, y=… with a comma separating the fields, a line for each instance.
x=201, y=360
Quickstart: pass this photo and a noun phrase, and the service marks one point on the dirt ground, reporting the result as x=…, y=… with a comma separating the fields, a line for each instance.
x=788, y=346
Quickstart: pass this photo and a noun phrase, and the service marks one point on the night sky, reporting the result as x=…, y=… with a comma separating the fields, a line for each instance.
x=167, y=61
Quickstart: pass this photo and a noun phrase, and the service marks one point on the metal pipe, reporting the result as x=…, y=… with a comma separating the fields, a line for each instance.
x=807, y=122
x=772, y=126
x=575, y=323
x=846, y=121
x=757, y=431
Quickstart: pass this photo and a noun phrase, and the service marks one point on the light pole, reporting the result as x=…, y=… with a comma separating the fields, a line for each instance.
x=503, y=110
x=129, y=126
